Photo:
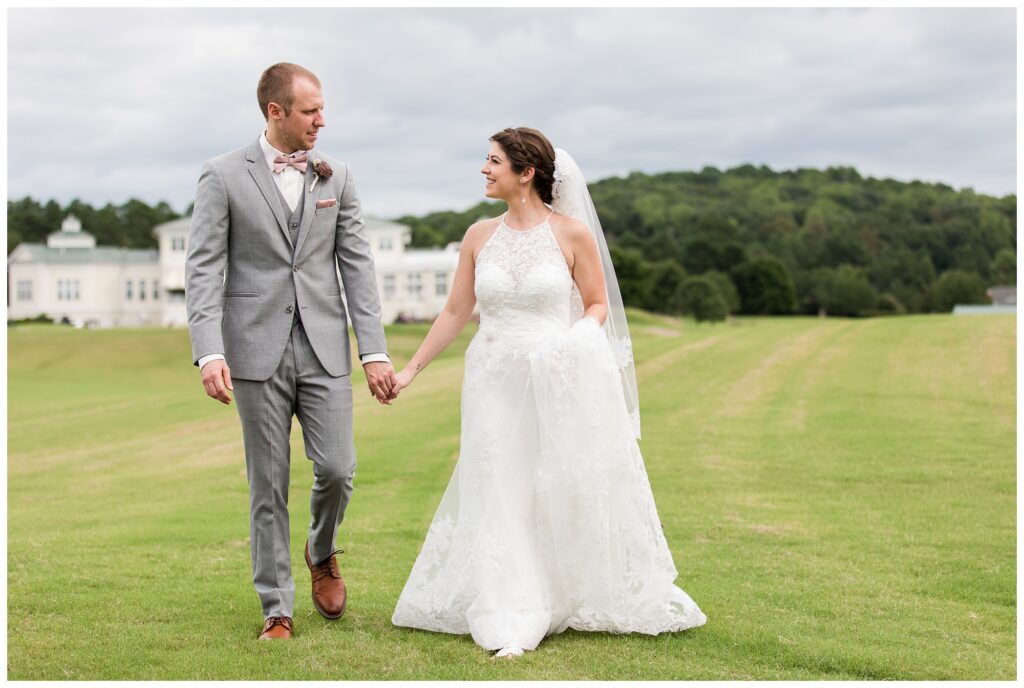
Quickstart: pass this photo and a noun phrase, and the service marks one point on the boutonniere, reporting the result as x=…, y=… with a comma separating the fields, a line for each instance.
x=322, y=169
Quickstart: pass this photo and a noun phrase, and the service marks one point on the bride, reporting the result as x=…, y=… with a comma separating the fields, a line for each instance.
x=548, y=522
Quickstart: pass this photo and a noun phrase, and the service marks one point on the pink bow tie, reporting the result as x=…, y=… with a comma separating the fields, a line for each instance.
x=296, y=160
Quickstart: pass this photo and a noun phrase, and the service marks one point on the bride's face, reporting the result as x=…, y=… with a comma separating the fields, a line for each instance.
x=500, y=181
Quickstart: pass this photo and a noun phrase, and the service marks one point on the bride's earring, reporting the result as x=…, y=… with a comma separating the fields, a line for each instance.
x=522, y=189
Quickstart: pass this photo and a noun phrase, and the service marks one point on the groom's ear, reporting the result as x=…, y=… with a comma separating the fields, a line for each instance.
x=274, y=111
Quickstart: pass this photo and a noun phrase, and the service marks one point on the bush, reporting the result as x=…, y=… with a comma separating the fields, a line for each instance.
x=663, y=287
x=765, y=287
x=699, y=297
x=1004, y=267
x=888, y=303
x=957, y=286
x=845, y=291
x=725, y=288
x=631, y=273
x=42, y=318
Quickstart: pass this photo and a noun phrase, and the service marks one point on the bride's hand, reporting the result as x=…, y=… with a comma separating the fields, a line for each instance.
x=402, y=380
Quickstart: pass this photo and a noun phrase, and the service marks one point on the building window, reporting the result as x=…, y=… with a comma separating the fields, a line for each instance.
x=127, y=290
x=177, y=244
x=413, y=285
x=389, y=286
x=67, y=290
x=24, y=290
x=156, y=290
x=176, y=295
x=385, y=243
x=441, y=283
x=142, y=290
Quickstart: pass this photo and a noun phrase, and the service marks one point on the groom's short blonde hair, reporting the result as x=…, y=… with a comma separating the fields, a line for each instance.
x=276, y=86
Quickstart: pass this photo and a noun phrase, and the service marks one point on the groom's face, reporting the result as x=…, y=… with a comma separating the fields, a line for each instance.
x=298, y=129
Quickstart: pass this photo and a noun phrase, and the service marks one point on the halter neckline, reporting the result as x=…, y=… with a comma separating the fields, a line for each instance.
x=511, y=229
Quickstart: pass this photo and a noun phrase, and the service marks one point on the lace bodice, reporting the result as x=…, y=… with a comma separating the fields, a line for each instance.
x=523, y=284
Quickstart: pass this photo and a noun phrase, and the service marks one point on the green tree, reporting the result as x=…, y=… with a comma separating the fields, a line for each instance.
x=129, y=225
x=730, y=255
x=725, y=288
x=663, y=284
x=845, y=291
x=699, y=297
x=765, y=287
x=1004, y=267
x=699, y=255
x=631, y=271
x=957, y=286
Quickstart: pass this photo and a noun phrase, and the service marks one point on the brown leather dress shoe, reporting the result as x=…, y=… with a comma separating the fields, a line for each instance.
x=329, y=594
x=277, y=627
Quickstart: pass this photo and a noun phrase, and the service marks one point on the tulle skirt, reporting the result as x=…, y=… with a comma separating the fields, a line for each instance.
x=549, y=521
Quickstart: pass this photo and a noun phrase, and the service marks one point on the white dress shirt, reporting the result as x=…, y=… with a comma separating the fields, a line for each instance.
x=289, y=181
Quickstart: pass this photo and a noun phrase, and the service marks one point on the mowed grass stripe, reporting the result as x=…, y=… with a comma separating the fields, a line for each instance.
x=839, y=496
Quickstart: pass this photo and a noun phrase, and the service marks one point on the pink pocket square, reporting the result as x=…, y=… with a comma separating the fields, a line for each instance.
x=326, y=203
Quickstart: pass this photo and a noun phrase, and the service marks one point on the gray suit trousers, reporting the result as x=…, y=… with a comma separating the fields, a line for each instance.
x=323, y=404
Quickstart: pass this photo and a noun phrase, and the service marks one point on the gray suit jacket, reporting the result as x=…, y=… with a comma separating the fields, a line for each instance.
x=239, y=228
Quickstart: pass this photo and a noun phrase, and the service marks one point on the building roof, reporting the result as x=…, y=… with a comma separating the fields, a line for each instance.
x=181, y=223
x=41, y=253
x=376, y=223
x=971, y=309
x=415, y=260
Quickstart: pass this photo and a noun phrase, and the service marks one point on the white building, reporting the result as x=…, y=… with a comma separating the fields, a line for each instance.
x=413, y=283
x=70, y=278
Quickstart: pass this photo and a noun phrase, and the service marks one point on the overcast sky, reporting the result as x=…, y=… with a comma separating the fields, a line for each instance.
x=106, y=105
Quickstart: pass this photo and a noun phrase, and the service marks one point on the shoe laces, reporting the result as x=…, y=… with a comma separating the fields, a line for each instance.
x=328, y=567
x=277, y=621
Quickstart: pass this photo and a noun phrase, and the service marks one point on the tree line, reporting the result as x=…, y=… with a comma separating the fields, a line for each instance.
x=744, y=240
x=129, y=225
x=757, y=241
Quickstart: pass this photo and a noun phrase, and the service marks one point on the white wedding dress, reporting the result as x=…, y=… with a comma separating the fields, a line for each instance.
x=549, y=521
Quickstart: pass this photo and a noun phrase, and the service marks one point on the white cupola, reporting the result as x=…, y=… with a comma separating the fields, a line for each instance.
x=71, y=235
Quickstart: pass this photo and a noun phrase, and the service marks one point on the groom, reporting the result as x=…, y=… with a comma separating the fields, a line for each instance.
x=273, y=223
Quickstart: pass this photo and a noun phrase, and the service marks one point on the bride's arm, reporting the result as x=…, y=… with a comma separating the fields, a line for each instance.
x=586, y=270
x=456, y=313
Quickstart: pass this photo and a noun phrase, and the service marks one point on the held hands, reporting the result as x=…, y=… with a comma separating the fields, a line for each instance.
x=399, y=381
x=402, y=380
x=217, y=380
x=380, y=377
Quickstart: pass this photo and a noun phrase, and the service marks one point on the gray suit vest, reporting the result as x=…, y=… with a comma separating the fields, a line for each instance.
x=294, y=222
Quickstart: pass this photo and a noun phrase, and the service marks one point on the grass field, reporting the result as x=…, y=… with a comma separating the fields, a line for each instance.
x=839, y=496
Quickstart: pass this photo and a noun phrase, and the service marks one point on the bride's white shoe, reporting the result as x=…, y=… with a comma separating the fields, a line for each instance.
x=509, y=651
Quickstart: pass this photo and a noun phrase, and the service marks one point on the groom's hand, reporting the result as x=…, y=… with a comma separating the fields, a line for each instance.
x=217, y=380
x=380, y=377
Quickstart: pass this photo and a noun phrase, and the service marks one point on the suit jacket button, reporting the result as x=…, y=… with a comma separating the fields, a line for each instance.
x=288, y=309
x=295, y=268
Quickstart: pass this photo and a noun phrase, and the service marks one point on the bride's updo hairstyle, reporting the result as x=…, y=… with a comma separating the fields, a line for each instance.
x=527, y=147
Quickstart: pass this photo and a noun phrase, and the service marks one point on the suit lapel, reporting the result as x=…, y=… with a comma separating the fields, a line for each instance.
x=308, y=199
x=261, y=175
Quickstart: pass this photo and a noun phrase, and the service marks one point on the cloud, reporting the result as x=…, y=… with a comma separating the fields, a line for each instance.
x=105, y=105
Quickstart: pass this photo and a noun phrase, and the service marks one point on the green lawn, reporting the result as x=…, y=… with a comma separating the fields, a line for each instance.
x=839, y=496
